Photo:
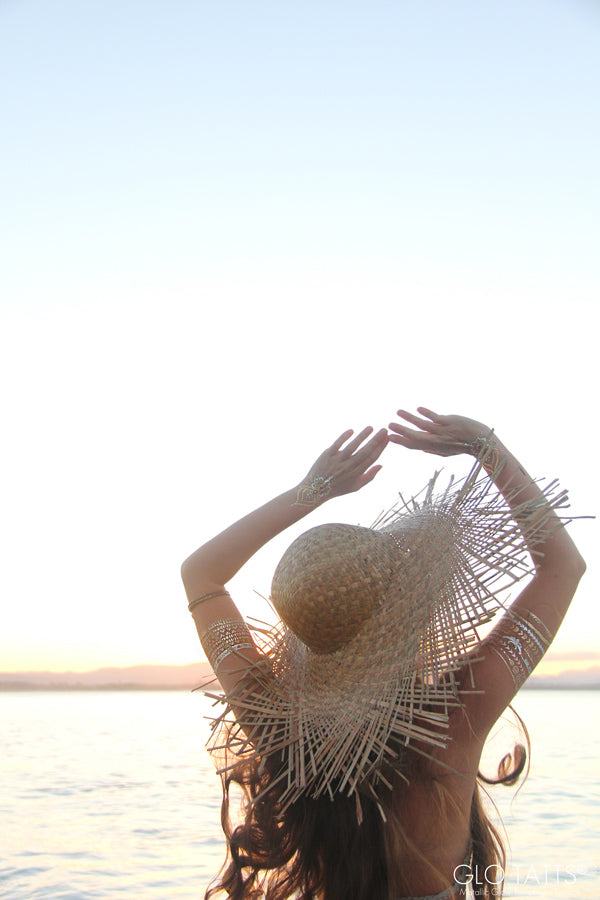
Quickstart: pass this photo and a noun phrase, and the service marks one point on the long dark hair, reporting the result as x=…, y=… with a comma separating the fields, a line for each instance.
x=296, y=852
x=313, y=849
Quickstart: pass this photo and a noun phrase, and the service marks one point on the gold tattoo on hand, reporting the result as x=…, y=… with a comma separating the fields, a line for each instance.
x=486, y=451
x=312, y=493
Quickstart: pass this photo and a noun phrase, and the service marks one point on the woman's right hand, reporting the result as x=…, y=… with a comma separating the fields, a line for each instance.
x=343, y=469
x=441, y=435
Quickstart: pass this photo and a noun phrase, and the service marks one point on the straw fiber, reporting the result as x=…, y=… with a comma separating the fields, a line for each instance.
x=375, y=623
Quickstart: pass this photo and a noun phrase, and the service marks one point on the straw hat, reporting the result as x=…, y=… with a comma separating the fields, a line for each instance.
x=374, y=624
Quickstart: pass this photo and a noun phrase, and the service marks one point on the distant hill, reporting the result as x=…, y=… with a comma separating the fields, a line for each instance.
x=128, y=678
x=584, y=679
x=145, y=678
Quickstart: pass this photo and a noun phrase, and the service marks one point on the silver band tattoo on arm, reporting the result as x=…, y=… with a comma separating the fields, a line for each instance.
x=224, y=637
x=520, y=643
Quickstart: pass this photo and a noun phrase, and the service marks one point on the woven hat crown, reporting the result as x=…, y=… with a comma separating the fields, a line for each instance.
x=330, y=581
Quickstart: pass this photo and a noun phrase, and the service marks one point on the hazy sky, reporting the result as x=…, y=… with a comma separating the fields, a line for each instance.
x=231, y=230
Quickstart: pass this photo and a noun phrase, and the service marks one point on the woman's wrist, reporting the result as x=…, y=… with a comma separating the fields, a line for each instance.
x=487, y=448
x=481, y=439
x=313, y=491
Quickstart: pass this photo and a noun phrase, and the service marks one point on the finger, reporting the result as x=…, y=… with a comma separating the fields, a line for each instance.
x=431, y=415
x=415, y=420
x=409, y=438
x=357, y=441
x=422, y=445
x=367, y=455
x=369, y=475
x=342, y=439
x=407, y=432
x=406, y=442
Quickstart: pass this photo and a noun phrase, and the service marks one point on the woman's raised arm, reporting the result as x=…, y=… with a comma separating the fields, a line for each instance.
x=515, y=646
x=346, y=466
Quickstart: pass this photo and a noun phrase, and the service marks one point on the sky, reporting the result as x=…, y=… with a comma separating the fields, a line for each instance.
x=229, y=231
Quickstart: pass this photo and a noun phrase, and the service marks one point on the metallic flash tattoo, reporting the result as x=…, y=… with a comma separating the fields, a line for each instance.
x=310, y=495
x=223, y=637
x=485, y=449
x=520, y=644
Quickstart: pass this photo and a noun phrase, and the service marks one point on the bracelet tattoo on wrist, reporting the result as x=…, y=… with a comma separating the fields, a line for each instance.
x=486, y=450
x=310, y=494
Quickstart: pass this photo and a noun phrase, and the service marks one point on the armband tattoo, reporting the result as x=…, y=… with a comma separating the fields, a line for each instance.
x=310, y=495
x=204, y=597
x=520, y=643
x=223, y=637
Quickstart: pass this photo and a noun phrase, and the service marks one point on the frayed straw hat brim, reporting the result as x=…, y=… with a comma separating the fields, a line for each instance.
x=331, y=722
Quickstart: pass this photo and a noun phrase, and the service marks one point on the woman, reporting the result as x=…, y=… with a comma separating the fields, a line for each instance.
x=359, y=723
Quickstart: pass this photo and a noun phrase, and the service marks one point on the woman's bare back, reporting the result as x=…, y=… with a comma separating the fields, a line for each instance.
x=434, y=809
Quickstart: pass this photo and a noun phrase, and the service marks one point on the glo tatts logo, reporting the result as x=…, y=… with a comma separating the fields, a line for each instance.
x=492, y=877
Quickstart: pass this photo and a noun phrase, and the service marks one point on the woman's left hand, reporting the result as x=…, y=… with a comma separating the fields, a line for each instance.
x=441, y=435
x=343, y=469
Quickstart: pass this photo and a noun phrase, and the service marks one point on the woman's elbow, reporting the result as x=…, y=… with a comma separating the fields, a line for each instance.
x=580, y=566
x=188, y=570
x=569, y=565
x=575, y=564
x=572, y=570
x=182, y=570
x=197, y=575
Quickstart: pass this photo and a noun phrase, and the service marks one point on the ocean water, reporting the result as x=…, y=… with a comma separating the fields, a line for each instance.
x=111, y=795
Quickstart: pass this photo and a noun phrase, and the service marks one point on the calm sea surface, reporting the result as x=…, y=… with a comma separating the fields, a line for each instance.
x=111, y=795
